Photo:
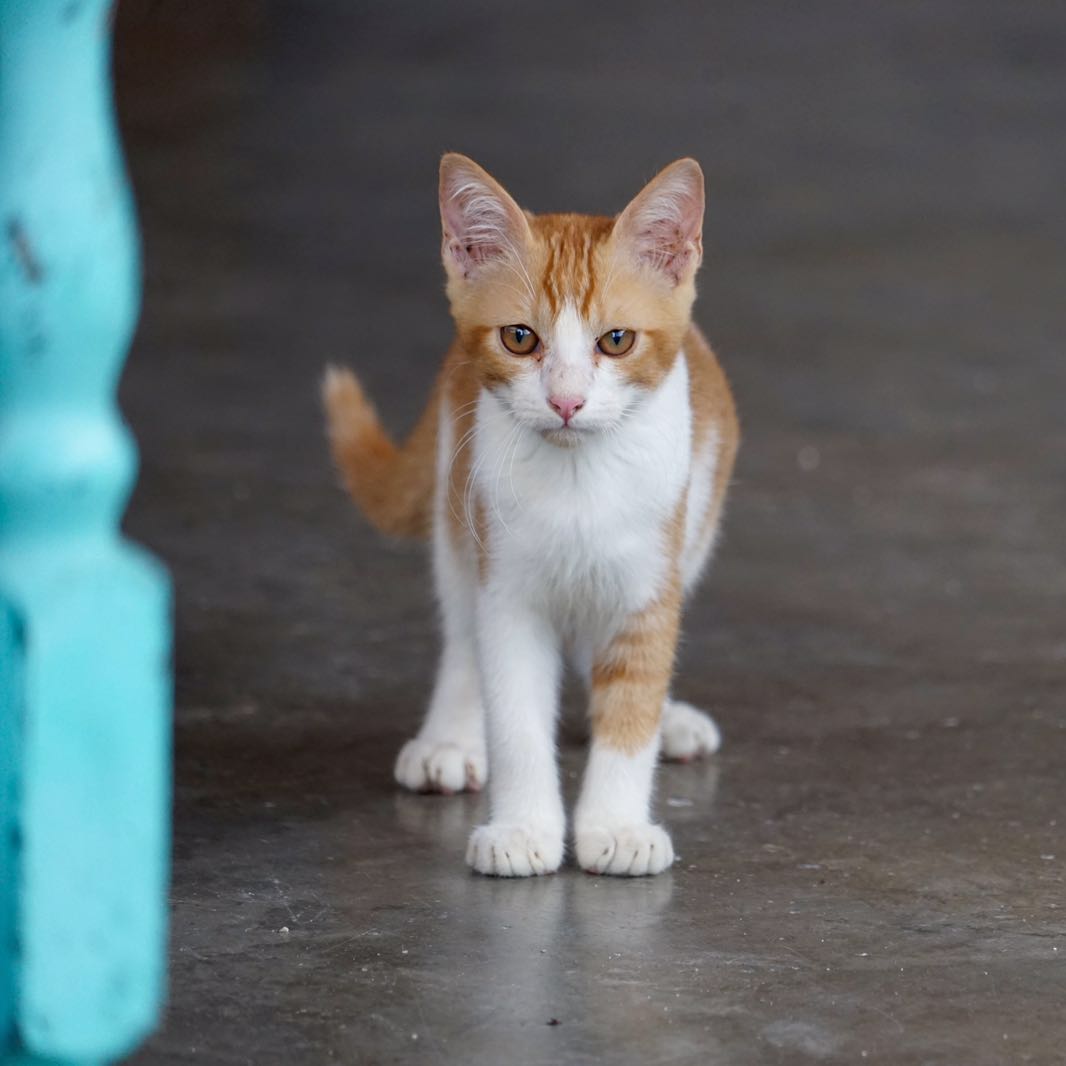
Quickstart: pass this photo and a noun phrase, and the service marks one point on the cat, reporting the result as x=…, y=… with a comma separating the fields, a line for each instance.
x=570, y=469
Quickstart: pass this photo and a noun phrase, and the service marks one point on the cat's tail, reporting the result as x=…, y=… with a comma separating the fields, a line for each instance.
x=393, y=486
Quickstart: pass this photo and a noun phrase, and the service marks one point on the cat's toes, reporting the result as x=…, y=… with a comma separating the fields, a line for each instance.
x=624, y=851
x=514, y=850
x=441, y=766
x=688, y=733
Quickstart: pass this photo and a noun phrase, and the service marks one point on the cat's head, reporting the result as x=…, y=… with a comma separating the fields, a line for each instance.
x=570, y=319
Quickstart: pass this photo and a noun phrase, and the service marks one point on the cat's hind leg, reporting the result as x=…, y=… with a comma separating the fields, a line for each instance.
x=687, y=732
x=448, y=754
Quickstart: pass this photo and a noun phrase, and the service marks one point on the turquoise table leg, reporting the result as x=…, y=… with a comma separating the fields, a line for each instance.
x=84, y=615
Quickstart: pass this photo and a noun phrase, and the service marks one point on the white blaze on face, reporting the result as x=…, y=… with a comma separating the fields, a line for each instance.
x=567, y=371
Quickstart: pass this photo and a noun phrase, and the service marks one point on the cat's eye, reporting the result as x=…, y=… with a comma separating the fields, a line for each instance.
x=616, y=341
x=519, y=340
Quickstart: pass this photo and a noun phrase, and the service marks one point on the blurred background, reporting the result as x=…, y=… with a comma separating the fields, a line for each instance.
x=882, y=634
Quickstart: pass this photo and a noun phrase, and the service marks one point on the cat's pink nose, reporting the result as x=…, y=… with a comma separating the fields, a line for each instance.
x=567, y=406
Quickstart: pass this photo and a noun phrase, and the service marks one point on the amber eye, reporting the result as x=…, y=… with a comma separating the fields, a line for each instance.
x=616, y=341
x=519, y=340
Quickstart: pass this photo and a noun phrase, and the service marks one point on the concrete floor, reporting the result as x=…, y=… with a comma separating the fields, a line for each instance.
x=872, y=870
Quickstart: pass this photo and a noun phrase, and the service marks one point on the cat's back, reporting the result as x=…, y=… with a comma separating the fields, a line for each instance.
x=715, y=439
x=713, y=408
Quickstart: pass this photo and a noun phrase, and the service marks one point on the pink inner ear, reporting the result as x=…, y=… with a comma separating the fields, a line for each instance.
x=666, y=245
x=665, y=221
x=479, y=226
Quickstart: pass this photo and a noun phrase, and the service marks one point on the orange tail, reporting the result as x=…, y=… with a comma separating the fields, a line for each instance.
x=393, y=486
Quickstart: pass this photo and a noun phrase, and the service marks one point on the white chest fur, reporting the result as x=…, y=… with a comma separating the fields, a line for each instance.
x=581, y=530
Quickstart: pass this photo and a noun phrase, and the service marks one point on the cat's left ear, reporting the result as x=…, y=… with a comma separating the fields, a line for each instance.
x=482, y=226
x=663, y=226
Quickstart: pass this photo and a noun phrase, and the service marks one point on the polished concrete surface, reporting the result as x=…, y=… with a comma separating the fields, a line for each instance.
x=872, y=869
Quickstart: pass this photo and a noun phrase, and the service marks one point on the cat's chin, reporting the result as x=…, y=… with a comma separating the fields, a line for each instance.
x=564, y=436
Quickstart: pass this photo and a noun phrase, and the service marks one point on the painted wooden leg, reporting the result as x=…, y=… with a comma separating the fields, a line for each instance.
x=84, y=615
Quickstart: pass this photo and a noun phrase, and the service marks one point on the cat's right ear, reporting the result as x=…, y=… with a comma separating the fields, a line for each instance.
x=481, y=224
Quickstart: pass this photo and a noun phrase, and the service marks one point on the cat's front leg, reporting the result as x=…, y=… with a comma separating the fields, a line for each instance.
x=520, y=666
x=448, y=755
x=613, y=830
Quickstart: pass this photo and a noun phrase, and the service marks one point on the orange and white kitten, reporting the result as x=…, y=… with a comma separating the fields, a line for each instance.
x=570, y=468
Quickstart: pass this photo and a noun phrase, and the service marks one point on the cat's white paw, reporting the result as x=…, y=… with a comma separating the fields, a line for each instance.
x=624, y=851
x=514, y=850
x=441, y=766
x=688, y=733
